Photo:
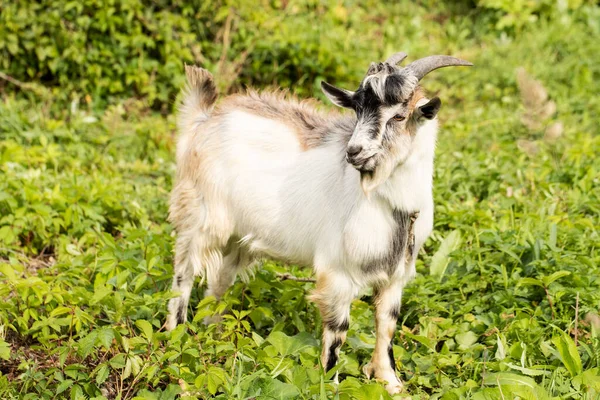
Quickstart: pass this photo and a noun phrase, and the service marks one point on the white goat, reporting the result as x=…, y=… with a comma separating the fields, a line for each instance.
x=263, y=174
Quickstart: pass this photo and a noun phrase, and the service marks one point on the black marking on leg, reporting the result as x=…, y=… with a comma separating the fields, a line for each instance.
x=410, y=252
x=181, y=314
x=179, y=279
x=395, y=312
x=397, y=248
x=334, y=326
x=391, y=355
x=332, y=356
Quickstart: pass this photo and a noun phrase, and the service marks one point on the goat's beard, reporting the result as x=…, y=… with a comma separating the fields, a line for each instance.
x=370, y=180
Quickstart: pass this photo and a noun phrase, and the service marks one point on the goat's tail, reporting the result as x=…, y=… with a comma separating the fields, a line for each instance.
x=197, y=101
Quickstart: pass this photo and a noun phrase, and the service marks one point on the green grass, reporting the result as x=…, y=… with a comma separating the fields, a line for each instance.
x=510, y=272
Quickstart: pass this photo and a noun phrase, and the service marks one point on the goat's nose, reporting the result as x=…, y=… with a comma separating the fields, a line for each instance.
x=353, y=150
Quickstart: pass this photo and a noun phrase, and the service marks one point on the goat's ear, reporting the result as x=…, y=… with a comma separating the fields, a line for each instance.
x=430, y=109
x=339, y=97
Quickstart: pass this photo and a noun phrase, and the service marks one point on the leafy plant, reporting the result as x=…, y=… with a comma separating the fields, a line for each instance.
x=506, y=300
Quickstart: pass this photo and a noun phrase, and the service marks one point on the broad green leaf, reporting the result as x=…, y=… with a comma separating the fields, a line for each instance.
x=557, y=275
x=512, y=385
x=102, y=374
x=589, y=378
x=100, y=294
x=466, y=339
x=530, y=281
x=146, y=328
x=500, y=350
x=215, y=377
x=568, y=353
x=106, y=336
x=287, y=345
x=64, y=385
x=4, y=350
x=528, y=371
x=439, y=261
x=429, y=343
x=86, y=344
x=275, y=389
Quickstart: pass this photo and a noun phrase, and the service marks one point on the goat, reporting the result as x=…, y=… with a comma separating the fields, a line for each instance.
x=262, y=174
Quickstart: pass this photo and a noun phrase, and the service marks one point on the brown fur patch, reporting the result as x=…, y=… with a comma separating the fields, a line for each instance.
x=302, y=116
x=417, y=95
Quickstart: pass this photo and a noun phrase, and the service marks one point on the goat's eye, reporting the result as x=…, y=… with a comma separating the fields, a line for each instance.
x=398, y=117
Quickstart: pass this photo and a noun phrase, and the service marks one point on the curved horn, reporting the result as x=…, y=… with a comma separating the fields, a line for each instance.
x=396, y=58
x=423, y=66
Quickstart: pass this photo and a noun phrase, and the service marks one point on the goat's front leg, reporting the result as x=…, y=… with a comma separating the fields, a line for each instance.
x=383, y=363
x=333, y=295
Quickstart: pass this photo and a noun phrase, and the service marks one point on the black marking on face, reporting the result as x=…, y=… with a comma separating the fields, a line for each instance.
x=179, y=279
x=391, y=355
x=368, y=108
x=332, y=358
x=181, y=314
x=335, y=326
x=393, y=89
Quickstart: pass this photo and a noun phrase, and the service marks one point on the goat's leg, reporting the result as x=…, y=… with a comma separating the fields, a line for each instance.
x=186, y=256
x=222, y=279
x=383, y=363
x=333, y=295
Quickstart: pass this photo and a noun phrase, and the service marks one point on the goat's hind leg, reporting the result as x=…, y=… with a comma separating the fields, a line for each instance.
x=186, y=266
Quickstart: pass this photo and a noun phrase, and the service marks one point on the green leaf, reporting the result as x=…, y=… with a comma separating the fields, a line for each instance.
x=4, y=350
x=530, y=281
x=215, y=378
x=100, y=294
x=102, y=374
x=557, y=275
x=589, y=378
x=500, y=351
x=106, y=336
x=146, y=328
x=440, y=260
x=118, y=361
x=568, y=353
x=64, y=385
x=528, y=371
x=287, y=345
x=429, y=343
x=466, y=339
x=275, y=389
x=86, y=344
x=515, y=386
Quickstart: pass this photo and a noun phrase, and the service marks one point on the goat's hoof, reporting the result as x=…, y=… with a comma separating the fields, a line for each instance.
x=369, y=370
x=393, y=384
x=394, y=388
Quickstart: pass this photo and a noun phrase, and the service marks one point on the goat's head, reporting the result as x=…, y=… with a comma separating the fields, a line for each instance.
x=390, y=108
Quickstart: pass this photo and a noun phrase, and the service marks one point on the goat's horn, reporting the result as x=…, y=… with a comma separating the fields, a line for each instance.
x=425, y=65
x=396, y=58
